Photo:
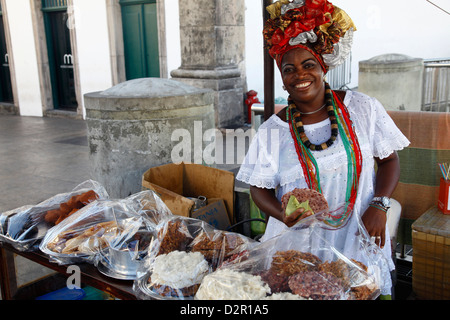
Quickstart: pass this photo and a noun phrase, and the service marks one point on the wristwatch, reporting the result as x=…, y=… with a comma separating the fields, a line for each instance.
x=384, y=201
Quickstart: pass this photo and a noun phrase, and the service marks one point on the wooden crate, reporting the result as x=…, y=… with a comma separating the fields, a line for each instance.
x=431, y=256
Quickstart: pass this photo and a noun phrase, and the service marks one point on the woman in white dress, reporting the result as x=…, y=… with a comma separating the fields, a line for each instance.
x=324, y=140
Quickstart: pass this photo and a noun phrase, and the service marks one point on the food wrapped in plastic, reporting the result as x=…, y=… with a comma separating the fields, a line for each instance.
x=24, y=227
x=150, y=206
x=123, y=255
x=96, y=230
x=301, y=263
x=183, y=252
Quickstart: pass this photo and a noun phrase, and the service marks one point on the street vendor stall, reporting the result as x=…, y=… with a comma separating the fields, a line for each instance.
x=136, y=248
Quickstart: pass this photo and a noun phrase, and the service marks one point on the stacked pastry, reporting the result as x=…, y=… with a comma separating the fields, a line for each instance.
x=83, y=241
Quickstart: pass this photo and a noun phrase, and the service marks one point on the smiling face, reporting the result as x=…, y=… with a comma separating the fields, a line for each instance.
x=303, y=78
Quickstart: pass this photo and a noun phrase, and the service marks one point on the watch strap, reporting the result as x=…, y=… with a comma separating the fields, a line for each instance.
x=382, y=201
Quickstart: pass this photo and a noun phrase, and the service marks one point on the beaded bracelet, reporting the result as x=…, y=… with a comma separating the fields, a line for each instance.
x=376, y=206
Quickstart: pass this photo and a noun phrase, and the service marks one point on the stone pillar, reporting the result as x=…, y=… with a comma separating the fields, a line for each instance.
x=131, y=129
x=212, y=36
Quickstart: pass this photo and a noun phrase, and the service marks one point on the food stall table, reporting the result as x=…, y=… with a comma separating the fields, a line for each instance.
x=121, y=289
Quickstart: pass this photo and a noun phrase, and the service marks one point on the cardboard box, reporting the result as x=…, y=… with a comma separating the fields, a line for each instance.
x=215, y=213
x=174, y=183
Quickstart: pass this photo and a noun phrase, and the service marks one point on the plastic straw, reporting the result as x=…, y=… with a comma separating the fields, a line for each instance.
x=445, y=170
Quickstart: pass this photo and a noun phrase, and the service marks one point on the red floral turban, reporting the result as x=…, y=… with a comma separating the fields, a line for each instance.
x=315, y=25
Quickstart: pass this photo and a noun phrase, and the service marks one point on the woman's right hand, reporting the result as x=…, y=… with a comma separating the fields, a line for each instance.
x=296, y=216
x=267, y=202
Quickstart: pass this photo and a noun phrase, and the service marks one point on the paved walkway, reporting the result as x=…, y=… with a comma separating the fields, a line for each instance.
x=41, y=157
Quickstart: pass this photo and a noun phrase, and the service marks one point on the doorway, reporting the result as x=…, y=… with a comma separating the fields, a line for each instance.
x=140, y=38
x=60, y=54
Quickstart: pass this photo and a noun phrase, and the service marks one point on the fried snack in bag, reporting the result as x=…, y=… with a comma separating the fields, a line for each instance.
x=300, y=263
x=86, y=235
x=121, y=258
x=25, y=227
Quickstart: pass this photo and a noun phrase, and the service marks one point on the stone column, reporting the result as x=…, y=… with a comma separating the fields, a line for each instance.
x=144, y=123
x=212, y=36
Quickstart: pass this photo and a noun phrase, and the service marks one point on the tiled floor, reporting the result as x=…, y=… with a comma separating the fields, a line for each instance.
x=39, y=157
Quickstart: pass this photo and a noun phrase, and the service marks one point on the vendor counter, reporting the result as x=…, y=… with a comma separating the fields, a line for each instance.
x=120, y=289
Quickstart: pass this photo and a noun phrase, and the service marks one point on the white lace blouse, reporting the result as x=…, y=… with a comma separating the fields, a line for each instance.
x=272, y=163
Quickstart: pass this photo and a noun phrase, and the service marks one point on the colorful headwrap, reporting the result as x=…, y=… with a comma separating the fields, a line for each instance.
x=315, y=25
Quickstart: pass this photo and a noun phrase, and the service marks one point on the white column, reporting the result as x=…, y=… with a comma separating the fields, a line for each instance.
x=24, y=55
x=92, y=50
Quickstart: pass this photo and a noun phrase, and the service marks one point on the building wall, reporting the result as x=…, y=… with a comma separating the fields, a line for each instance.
x=97, y=48
x=23, y=57
x=28, y=49
x=92, y=49
x=172, y=35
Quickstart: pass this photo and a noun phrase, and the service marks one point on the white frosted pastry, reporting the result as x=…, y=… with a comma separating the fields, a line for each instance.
x=226, y=284
x=179, y=269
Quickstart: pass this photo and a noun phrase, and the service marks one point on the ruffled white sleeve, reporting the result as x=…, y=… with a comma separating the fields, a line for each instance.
x=260, y=167
x=382, y=132
x=387, y=137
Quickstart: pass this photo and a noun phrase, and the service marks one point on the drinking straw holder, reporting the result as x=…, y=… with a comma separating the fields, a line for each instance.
x=444, y=200
x=444, y=188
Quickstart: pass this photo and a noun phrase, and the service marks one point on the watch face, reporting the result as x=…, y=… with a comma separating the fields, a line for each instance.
x=386, y=201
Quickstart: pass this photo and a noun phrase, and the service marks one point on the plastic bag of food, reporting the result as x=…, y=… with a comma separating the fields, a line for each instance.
x=182, y=253
x=150, y=206
x=24, y=227
x=299, y=264
x=121, y=258
x=120, y=224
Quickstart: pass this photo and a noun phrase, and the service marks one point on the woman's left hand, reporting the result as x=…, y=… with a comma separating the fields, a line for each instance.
x=375, y=222
x=387, y=177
